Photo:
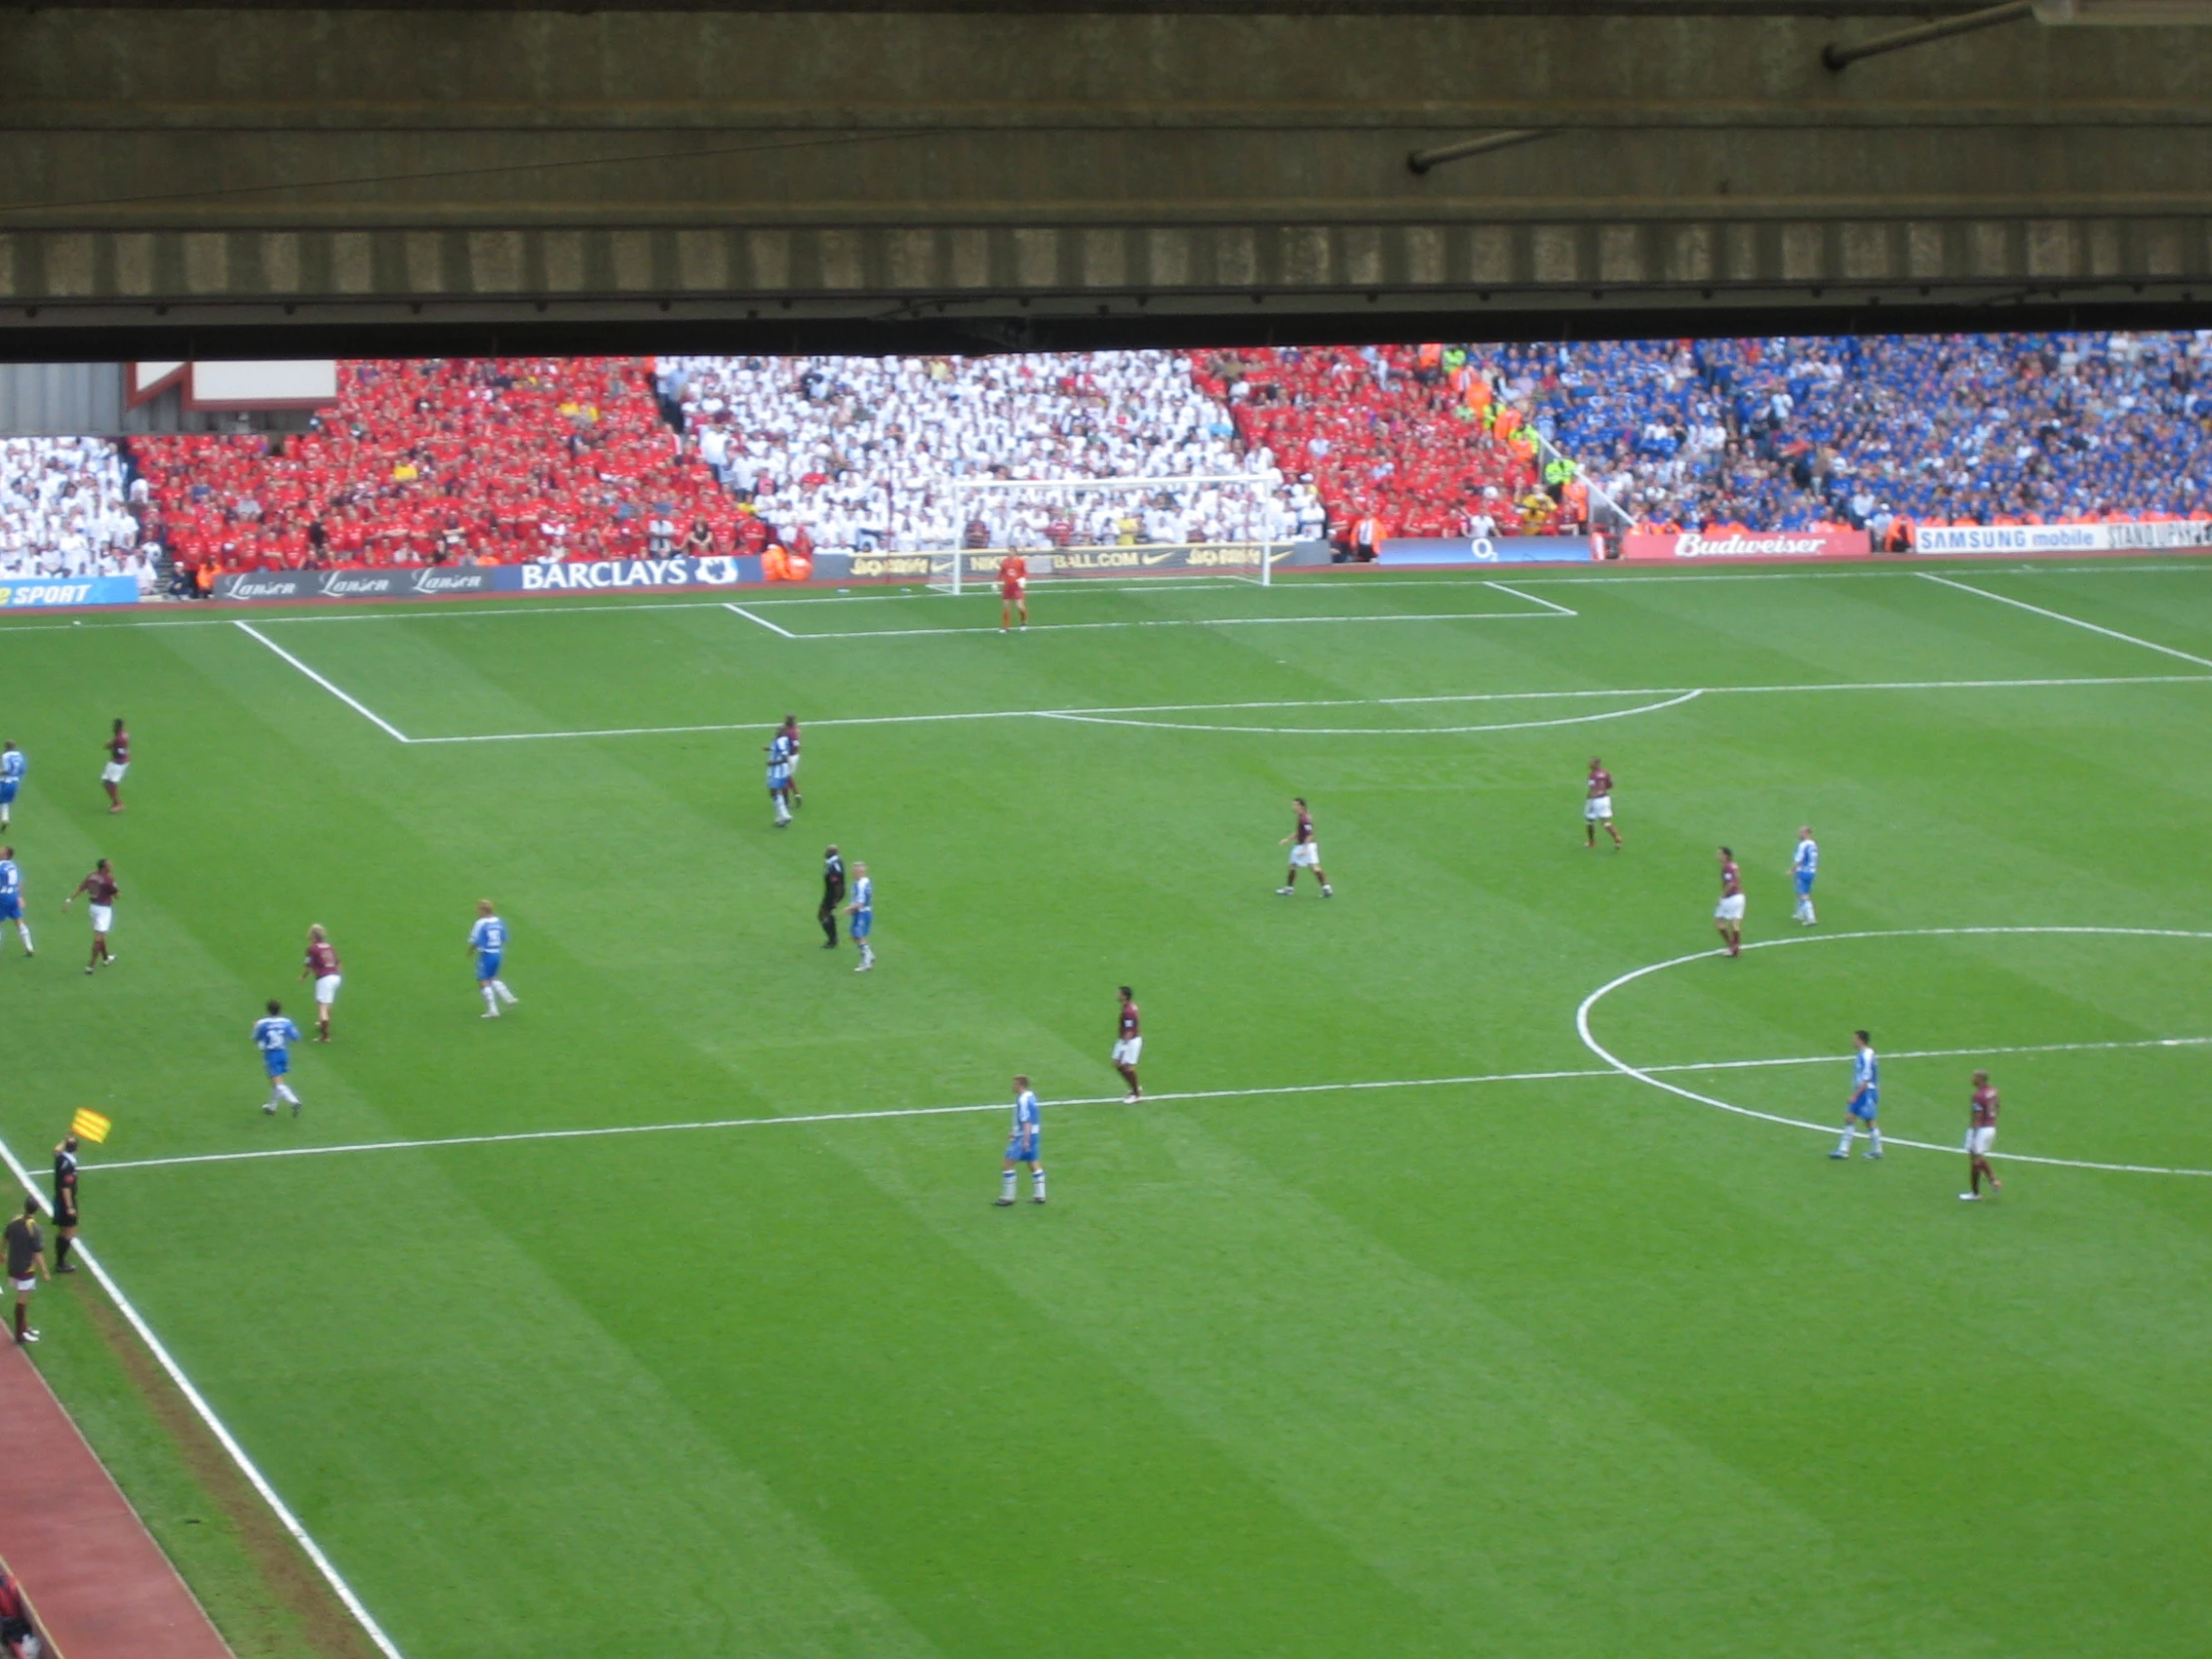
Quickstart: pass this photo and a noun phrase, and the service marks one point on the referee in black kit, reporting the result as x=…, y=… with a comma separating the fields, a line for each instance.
x=832, y=895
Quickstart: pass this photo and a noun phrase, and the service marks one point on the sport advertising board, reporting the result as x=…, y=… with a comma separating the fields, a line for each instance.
x=1688, y=546
x=393, y=582
x=2063, y=538
x=20, y=593
x=1484, y=550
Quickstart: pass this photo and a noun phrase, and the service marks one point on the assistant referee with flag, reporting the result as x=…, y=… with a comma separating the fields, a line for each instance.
x=65, y=1203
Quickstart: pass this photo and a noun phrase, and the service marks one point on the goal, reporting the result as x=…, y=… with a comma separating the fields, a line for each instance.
x=1073, y=528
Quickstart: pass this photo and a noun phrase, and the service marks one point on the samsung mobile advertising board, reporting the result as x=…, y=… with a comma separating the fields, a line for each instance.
x=2063, y=538
x=1484, y=550
x=1692, y=546
x=21, y=593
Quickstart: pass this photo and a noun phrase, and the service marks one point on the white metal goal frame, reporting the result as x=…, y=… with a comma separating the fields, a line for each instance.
x=952, y=571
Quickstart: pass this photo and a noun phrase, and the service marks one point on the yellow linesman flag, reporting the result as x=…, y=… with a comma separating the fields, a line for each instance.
x=89, y=1125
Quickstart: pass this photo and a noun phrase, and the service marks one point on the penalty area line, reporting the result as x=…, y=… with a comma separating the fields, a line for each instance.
x=205, y=1412
x=351, y=702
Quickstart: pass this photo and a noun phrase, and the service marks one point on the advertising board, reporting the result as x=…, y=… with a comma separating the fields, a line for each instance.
x=18, y=593
x=1484, y=550
x=392, y=582
x=1684, y=546
x=715, y=570
x=2063, y=538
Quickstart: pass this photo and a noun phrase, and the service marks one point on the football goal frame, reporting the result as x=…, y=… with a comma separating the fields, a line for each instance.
x=965, y=569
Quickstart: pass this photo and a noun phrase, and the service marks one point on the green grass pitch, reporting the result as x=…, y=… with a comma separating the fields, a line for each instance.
x=1561, y=1366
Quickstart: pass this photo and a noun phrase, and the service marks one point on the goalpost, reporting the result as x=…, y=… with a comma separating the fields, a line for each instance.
x=1008, y=509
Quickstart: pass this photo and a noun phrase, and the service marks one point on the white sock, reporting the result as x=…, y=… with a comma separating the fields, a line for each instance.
x=1809, y=915
x=1007, y=1187
x=284, y=1091
x=490, y=1001
x=1875, y=1132
x=505, y=995
x=276, y=1093
x=1844, y=1144
x=24, y=929
x=1037, y=1179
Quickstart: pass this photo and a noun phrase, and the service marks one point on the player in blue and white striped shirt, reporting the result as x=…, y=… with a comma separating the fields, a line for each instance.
x=1866, y=1097
x=1803, y=868
x=780, y=754
x=11, y=896
x=13, y=764
x=274, y=1036
x=1024, y=1146
x=489, y=939
x=863, y=913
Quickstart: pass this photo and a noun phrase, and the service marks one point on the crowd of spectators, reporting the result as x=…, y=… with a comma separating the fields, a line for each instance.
x=858, y=454
x=443, y=461
x=1412, y=441
x=1883, y=432
x=66, y=510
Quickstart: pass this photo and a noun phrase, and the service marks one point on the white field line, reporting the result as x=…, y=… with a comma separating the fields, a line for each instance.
x=1648, y=1074
x=2070, y=621
x=761, y=620
x=603, y=1132
x=1383, y=731
x=353, y=702
x=1288, y=577
x=985, y=628
x=1675, y=692
x=245, y=1465
x=1530, y=598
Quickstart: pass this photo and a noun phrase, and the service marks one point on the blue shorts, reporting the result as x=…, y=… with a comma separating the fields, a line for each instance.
x=7, y=793
x=862, y=922
x=487, y=965
x=1866, y=1106
x=277, y=1062
x=1804, y=883
x=11, y=908
x=1019, y=1150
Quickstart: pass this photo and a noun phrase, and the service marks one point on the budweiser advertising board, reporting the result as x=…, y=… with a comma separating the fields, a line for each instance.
x=1687, y=545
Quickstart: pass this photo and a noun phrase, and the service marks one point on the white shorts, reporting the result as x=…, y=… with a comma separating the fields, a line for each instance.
x=327, y=988
x=1307, y=855
x=1730, y=909
x=1598, y=808
x=102, y=917
x=1127, y=1050
x=1981, y=1139
x=113, y=774
x=24, y=1287
x=792, y=765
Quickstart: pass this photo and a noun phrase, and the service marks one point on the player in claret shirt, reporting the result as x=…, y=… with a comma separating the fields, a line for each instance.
x=1304, y=851
x=100, y=890
x=1129, y=1043
x=118, y=746
x=1981, y=1134
x=1728, y=914
x=1597, y=804
x=323, y=968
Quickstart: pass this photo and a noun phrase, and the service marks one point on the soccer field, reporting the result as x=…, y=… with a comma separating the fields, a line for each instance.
x=1409, y=1316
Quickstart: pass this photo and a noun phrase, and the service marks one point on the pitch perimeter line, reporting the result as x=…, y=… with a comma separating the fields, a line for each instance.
x=2060, y=616
x=601, y=1132
x=205, y=1412
x=1679, y=692
x=353, y=702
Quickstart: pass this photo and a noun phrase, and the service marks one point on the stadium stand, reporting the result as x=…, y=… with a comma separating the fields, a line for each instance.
x=1414, y=438
x=856, y=455
x=65, y=510
x=1869, y=432
x=487, y=460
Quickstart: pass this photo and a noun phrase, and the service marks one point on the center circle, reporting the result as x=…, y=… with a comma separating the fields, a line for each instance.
x=1643, y=1075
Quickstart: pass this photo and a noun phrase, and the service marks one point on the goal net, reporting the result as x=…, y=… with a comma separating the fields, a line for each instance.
x=1222, y=525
